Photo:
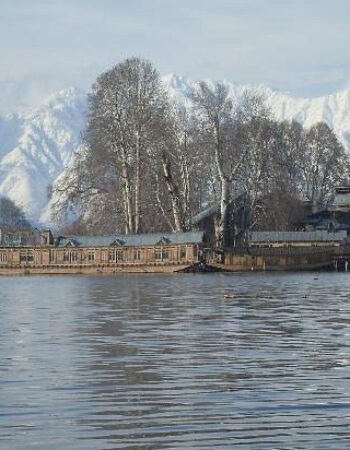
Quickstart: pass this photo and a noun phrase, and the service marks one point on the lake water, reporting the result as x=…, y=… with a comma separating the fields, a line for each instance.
x=167, y=362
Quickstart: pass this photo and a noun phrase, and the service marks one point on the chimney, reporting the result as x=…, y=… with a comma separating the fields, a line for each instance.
x=46, y=238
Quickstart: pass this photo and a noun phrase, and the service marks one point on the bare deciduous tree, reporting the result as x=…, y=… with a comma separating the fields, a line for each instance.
x=147, y=164
x=324, y=164
x=216, y=114
x=127, y=107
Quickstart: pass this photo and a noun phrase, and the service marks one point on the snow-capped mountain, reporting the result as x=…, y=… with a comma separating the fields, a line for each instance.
x=333, y=109
x=36, y=146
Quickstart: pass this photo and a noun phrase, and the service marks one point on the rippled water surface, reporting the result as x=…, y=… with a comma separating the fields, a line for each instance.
x=168, y=361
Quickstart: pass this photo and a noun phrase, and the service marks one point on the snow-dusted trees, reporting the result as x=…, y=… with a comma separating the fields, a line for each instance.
x=12, y=217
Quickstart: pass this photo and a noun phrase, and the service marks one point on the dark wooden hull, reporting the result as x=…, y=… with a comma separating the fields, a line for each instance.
x=93, y=270
x=284, y=268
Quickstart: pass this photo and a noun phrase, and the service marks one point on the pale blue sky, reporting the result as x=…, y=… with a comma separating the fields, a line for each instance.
x=299, y=46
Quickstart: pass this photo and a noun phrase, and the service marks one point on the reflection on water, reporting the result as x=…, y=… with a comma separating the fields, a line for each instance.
x=165, y=361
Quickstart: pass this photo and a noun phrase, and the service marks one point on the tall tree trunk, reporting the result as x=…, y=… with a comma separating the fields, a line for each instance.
x=138, y=158
x=126, y=217
x=129, y=222
x=224, y=213
x=161, y=205
x=184, y=168
x=222, y=238
x=174, y=193
x=137, y=185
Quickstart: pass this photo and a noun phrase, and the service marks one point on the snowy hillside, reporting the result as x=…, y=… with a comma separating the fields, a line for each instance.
x=36, y=146
x=333, y=109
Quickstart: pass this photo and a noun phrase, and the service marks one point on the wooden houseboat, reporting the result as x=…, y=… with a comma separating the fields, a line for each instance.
x=155, y=252
x=286, y=250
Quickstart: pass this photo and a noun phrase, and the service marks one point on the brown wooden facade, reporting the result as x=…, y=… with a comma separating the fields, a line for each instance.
x=65, y=257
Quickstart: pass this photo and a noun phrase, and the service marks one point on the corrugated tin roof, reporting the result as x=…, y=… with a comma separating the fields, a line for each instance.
x=136, y=240
x=301, y=236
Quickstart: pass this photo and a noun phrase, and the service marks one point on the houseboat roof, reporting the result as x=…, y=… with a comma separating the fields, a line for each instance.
x=296, y=236
x=132, y=240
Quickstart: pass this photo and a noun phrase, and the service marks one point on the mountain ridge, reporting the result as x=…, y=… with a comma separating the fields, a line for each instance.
x=36, y=146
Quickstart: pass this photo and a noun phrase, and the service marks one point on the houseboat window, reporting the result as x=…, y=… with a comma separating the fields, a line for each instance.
x=26, y=257
x=74, y=256
x=115, y=255
x=158, y=255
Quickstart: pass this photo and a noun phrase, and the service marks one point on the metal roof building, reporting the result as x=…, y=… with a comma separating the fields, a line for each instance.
x=136, y=240
x=266, y=237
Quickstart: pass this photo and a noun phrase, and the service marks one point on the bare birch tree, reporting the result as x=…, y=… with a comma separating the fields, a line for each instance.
x=127, y=105
x=216, y=113
x=179, y=168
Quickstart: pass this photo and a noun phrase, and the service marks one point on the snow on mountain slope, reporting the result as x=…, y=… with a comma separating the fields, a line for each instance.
x=333, y=109
x=36, y=147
